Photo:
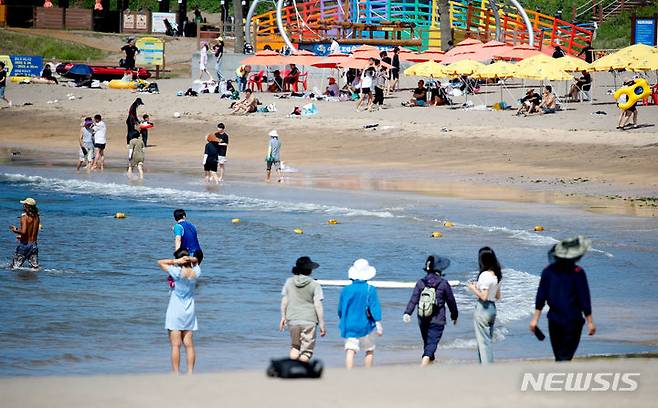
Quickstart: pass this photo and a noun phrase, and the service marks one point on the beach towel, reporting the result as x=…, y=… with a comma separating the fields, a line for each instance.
x=309, y=109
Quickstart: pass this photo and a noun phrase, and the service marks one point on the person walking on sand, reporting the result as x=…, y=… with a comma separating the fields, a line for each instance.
x=211, y=159
x=430, y=295
x=563, y=286
x=301, y=309
x=86, y=142
x=180, y=319
x=360, y=314
x=366, y=83
x=136, y=156
x=203, y=61
x=26, y=234
x=3, y=83
x=218, y=51
x=132, y=122
x=223, y=147
x=100, y=141
x=273, y=158
x=487, y=290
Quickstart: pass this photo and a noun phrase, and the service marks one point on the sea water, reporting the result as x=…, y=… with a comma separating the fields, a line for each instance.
x=97, y=304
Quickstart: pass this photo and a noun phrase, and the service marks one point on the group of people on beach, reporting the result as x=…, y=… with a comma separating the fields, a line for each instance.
x=563, y=286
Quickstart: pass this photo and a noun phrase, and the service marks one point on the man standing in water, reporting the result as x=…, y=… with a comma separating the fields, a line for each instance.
x=223, y=146
x=26, y=235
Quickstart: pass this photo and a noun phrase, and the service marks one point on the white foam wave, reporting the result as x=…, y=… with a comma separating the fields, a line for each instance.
x=168, y=195
x=517, y=296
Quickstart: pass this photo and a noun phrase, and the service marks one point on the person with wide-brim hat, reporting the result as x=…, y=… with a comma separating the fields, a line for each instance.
x=563, y=286
x=430, y=295
x=360, y=313
x=301, y=309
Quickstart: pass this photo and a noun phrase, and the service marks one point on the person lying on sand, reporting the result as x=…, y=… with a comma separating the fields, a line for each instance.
x=247, y=105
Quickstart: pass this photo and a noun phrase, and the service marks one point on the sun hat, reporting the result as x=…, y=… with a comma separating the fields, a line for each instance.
x=274, y=133
x=29, y=201
x=436, y=264
x=572, y=248
x=305, y=263
x=361, y=270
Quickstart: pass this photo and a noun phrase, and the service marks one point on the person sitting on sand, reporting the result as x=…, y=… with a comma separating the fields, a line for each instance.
x=248, y=105
x=548, y=102
x=529, y=102
x=136, y=156
x=291, y=77
x=86, y=152
x=47, y=73
x=26, y=234
x=431, y=294
x=360, y=313
x=332, y=89
x=419, y=97
x=563, y=286
x=277, y=82
x=582, y=84
x=301, y=309
x=180, y=319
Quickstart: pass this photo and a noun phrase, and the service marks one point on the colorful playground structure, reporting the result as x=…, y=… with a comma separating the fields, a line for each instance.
x=312, y=24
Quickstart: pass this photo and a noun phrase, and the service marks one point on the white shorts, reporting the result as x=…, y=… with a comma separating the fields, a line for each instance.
x=221, y=160
x=367, y=343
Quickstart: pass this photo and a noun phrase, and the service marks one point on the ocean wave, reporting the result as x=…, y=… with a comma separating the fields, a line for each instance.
x=170, y=195
x=529, y=237
x=470, y=343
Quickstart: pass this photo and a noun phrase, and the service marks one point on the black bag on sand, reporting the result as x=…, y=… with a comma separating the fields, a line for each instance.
x=288, y=368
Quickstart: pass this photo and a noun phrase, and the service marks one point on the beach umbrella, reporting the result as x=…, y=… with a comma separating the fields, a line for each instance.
x=429, y=55
x=78, y=71
x=518, y=53
x=303, y=52
x=466, y=55
x=571, y=64
x=542, y=72
x=637, y=51
x=464, y=67
x=264, y=57
x=426, y=69
x=357, y=63
x=611, y=62
x=497, y=70
x=648, y=63
x=537, y=59
x=365, y=48
x=489, y=50
x=468, y=44
x=331, y=60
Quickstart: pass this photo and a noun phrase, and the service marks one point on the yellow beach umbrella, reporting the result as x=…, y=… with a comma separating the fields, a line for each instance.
x=611, y=62
x=465, y=67
x=497, y=70
x=537, y=59
x=426, y=69
x=648, y=63
x=637, y=51
x=572, y=64
x=542, y=72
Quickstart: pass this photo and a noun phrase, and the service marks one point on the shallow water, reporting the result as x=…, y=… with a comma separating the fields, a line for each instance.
x=98, y=304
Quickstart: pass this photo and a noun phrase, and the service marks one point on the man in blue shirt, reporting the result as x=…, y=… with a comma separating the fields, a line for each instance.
x=185, y=236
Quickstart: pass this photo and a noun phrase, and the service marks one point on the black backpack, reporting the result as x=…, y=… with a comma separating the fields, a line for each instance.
x=289, y=368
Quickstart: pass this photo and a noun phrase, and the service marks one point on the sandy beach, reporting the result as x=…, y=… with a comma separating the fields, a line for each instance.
x=391, y=386
x=574, y=157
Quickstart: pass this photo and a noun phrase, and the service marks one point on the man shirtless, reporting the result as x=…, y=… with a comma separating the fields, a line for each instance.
x=248, y=105
x=26, y=234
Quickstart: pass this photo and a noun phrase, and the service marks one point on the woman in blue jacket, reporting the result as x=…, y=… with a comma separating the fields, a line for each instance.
x=431, y=294
x=360, y=313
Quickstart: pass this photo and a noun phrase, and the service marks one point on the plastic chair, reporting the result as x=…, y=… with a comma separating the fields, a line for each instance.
x=585, y=93
x=302, y=79
x=256, y=81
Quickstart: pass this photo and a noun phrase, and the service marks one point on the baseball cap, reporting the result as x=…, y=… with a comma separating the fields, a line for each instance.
x=29, y=201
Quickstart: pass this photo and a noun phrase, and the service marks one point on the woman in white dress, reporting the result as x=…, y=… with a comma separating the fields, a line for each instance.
x=180, y=319
x=203, y=61
x=487, y=290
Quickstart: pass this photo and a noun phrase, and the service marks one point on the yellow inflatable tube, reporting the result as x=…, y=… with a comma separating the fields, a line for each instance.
x=117, y=84
x=632, y=94
x=20, y=78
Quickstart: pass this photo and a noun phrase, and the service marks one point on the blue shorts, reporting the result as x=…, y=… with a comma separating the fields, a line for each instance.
x=2, y=91
x=420, y=102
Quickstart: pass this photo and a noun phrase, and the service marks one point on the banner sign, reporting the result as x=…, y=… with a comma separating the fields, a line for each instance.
x=157, y=21
x=151, y=51
x=645, y=31
x=22, y=65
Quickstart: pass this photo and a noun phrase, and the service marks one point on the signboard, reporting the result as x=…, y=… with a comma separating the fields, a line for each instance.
x=645, y=31
x=151, y=51
x=325, y=49
x=22, y=65
x=157, y=21
x=128, y=21
x=142, y=22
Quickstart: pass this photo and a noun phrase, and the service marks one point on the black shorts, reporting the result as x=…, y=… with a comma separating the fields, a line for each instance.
x=210, y=166
x=365, y=91
x=198, y=254
x=99, y=146
x=632, y=108
x=276, y=164
x=395, y=73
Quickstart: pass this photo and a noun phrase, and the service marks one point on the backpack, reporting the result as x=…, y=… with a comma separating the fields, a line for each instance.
x=288, y=368
x=427, y=301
